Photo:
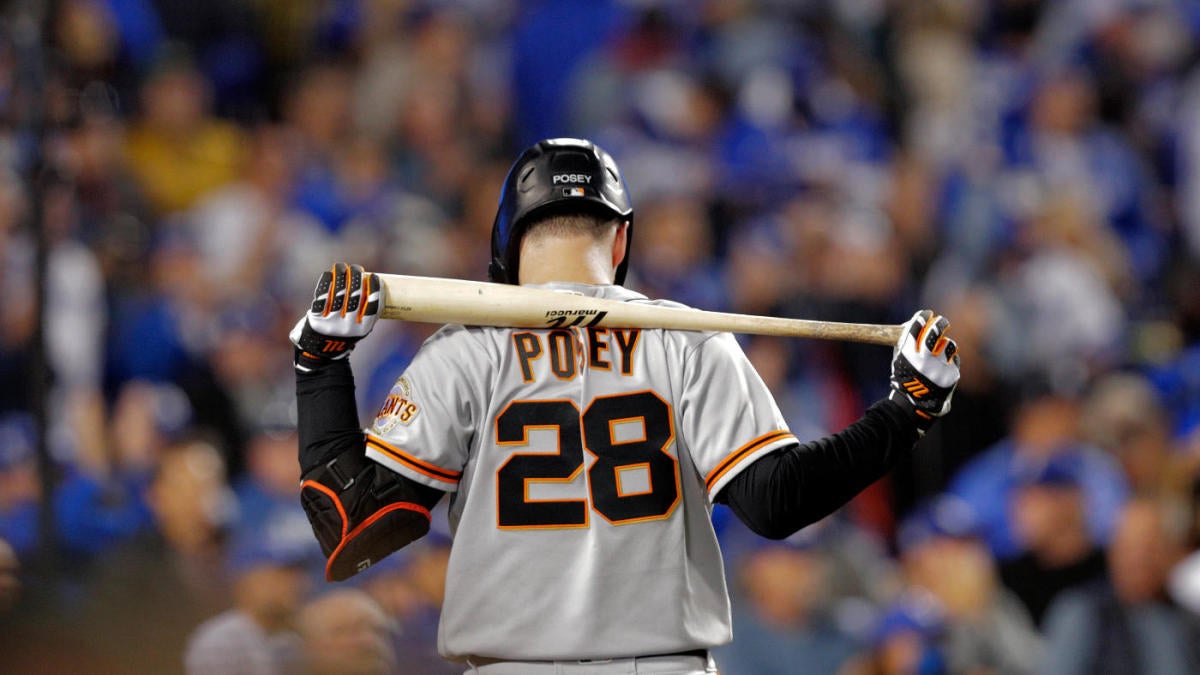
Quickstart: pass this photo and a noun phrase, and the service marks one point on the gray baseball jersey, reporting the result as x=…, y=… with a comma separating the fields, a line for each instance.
x=582, y=463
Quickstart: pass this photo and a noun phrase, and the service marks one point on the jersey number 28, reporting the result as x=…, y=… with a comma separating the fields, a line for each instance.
x=595, y=431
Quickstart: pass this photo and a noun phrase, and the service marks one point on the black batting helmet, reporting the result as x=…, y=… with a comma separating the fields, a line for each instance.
x=557, y=175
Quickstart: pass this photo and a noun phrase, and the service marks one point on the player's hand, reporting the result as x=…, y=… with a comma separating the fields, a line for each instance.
x=345, y=307
x=924, y=368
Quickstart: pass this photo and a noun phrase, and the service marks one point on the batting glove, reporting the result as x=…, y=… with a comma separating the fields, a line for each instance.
x=924, y=368
x=345, y=308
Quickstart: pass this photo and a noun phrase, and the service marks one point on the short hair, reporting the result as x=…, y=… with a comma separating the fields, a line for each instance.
x=569, y=223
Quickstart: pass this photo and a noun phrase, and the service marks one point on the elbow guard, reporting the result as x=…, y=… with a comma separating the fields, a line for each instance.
x=361, y=512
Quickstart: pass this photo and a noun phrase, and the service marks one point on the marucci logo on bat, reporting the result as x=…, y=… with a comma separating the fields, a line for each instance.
x=562, y=318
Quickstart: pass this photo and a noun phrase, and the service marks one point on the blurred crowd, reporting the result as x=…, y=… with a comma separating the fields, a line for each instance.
x=1029, y=168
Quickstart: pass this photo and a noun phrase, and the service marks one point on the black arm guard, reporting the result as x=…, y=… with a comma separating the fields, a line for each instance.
x=361, y=511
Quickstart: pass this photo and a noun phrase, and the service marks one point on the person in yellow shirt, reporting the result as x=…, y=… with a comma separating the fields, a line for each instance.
x=177, y=149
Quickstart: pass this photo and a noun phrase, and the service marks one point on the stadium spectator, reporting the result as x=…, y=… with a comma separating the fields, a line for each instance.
x=346, y=632
x=178, y=150
x=1046, y=425
x=256, y=636
x=1123, y=415
x=407, y=588
x=101, y=501
x=10, y=579
x=1123, y=624
x=268, y=493
x=1049, y=522
x=153, y=590
x=987, y=628
x=786, y=613
x=20, y=489
x=905, y=640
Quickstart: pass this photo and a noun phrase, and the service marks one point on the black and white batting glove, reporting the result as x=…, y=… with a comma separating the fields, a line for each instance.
x=924, y=368
x=345, y=307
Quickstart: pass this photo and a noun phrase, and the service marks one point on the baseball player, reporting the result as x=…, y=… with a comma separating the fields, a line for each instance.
x=582, y=463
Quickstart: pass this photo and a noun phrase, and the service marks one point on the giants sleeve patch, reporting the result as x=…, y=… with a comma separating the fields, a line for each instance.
x=397, y=408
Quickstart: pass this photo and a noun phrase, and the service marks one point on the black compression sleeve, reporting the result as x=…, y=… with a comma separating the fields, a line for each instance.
x=327, y=418
x=796, y=486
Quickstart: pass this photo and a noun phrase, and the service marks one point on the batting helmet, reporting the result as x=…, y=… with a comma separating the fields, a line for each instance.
x=557, y=175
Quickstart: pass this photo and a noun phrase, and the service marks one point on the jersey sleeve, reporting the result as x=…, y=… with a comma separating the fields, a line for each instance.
x=424, y=428
x=728, y=416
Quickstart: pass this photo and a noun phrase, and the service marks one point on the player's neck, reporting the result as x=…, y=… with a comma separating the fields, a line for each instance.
x=572, y=260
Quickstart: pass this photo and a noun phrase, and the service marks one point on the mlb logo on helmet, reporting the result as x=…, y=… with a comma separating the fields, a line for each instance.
x=573, y=192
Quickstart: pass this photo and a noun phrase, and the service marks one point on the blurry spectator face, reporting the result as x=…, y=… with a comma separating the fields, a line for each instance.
x=770, y=358
x=86, y=34
x=97, y=149
x=395, y=594
x=246, y=357
x=1045, y=424
x=901, y=654
x=189, y=496
x=756, y=284
x=428, y=572
x=136, y=432
x=1141, y=553
x=1064, y=104
x=784, y=584
x=911, y=202
x=362, y=168
x=973, y=313
x=18, y=484
x=320, y=107
x=957, y=570
x=10, y=584
x=680, y=239
x=429, y=117
x=175, y=101
x=272, y=593
x=270, y=165
x=345, y=632
x=444, y=43
x=1042, y=513
x=272, y=461
x=1123, y=415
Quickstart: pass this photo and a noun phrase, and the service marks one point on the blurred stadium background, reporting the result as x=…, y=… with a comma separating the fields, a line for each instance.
x=174, y=174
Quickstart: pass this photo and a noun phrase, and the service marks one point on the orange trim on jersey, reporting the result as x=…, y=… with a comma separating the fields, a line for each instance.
x=741, y=453
x=347, y=538
x=423, y=468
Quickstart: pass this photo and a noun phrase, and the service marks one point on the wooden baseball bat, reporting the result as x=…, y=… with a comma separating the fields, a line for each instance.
x=475, y=303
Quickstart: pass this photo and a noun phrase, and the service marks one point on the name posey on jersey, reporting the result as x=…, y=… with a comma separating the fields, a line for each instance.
x=569, y=356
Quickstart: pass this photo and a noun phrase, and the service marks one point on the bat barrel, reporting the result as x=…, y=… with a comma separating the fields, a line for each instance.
x=434, y=300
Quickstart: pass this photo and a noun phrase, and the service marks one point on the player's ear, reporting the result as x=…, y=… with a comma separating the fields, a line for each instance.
x=620, y=244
